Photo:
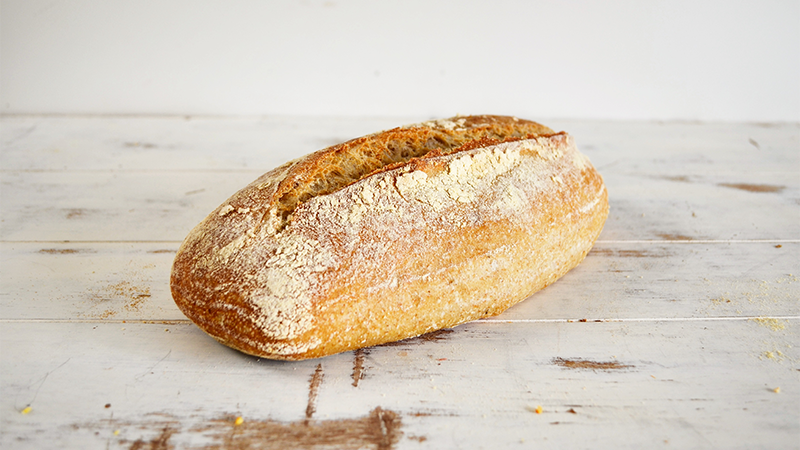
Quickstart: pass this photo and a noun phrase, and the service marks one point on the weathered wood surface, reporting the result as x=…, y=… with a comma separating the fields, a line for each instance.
x=681, y=329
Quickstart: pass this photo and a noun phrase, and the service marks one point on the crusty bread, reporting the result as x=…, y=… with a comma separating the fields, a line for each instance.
x=390, y=236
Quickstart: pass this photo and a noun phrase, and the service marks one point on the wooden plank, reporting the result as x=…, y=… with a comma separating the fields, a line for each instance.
x=629, y=385
x=164, y=206
x=113, y=281
x=36, y=143
x=744, y=206
x=130, y=281
x=112, y=206
x=674, y=149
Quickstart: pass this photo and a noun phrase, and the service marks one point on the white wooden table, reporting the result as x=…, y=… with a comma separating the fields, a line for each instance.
x=681, y=329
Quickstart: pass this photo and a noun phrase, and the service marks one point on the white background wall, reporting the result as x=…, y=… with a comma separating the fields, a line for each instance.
x=696, y=60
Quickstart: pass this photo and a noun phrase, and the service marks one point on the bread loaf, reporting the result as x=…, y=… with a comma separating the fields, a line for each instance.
x=390, y=236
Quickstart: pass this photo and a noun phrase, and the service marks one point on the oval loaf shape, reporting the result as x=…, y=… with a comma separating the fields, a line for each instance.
x=391, y=236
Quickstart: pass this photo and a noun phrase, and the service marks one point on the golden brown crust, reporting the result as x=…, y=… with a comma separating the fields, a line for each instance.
x=362, y=243
x=331, y=169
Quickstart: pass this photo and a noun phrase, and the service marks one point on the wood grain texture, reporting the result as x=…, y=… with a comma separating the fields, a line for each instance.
x=681, y=328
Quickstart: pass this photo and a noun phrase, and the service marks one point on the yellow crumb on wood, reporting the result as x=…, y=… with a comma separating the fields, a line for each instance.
x=26, y=410
x=116, y=432
x=771, y=323
x=537, y=410
x=720, y=300
x=239, y=421
x=777, y=390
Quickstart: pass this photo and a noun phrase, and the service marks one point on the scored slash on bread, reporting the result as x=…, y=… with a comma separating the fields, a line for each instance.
x=390, y=236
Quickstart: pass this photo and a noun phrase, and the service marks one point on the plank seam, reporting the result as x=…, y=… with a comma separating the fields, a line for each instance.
x=700, y=241
x=493, y=321
x=647, y=319
x=599, y=242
